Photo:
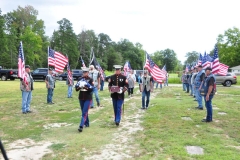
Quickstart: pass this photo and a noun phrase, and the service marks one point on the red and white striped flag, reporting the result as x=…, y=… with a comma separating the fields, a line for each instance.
x=215, y=63
x=21, y=64
x=223, y=69
x=56, y=60
x=69, y=76
x=157, y=74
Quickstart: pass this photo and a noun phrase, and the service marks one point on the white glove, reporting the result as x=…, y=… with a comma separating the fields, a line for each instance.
x=82, y=84
x=120, y=90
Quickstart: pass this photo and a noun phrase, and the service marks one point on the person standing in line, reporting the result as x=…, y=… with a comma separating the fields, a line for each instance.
x=50, y=83
x=70, y=83
x=192, y=82
x=26, y=89
x=102, y=79
x=139, y=79
x=208, y=85
x=182, y=80
x=131, y=82
x=147, y=87
x=166, y=81
x=160, y=82
x=117, y=85
x=95, y=75
x=189, y=82
x=198, y=85
x=85, y=86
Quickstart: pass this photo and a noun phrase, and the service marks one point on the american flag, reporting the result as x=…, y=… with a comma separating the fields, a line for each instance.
x=164, y=69
x=157, y=74
x=70, y=78
x=199, y=60
x=223, y=69
x=57, y=60
x=21, y=64
x=215, y=62
x=83, y=64
x=126, y=68
x=207, y=61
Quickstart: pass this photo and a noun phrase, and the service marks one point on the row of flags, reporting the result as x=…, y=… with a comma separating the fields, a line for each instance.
x=207, y=61
x=56, y=60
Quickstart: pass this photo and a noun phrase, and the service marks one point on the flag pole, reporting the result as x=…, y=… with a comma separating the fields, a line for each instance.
x=47, y=57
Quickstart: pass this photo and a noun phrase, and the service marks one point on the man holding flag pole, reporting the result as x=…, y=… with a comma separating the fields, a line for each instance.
x=26, y=84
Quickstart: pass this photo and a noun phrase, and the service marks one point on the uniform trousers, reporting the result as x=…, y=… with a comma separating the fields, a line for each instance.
x=117, y=107
x=84, y=105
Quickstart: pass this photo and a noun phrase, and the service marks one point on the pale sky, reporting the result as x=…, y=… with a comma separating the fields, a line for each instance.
x=181, y=25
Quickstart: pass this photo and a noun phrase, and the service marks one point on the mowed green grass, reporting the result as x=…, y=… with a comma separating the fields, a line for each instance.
x=165, y=134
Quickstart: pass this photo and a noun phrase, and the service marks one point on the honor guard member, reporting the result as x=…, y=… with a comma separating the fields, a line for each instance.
x=85, y=86
x=26, y=88
x=209, y=86
x=50, y=85
x=118, y=84
x=198, y=85
x=95, y=75
x=146, y=87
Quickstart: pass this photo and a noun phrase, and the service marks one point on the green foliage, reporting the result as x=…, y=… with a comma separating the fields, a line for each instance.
x=229, y=47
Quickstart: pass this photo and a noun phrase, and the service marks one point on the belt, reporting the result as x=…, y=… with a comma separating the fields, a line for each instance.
x=83, y=90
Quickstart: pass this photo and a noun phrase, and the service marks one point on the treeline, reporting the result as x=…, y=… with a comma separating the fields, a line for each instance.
x=23, y=25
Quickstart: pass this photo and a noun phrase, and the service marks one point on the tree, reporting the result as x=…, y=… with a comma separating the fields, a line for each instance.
x=64, y=40
x=229, y=47
x=191, y=57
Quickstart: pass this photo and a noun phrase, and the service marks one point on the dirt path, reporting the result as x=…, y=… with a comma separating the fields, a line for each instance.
x=121, y=146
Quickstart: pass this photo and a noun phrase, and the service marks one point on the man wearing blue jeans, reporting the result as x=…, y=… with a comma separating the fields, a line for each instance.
x=209, y=91
x=95, y=75
x=198, y=85
x=70, y=83
x=50, y=86
x=26, y=87
x=146, y=88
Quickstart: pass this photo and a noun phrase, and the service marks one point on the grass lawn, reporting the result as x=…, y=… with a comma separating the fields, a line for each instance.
x=164, y=134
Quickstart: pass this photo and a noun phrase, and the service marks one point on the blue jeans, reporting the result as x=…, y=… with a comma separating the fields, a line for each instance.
x=184, y=87
x=101, y=85
x=26, y=100
x=166, y=82
x=160, y=85
x=187, y=87
x=193, y=90
x=198, y=98
x=190, y=88
x=145, y=93
x=70, y=91
x=49, y=95
x=208, y=105
x=95, y=92
x=117, y=107
x=84, y=105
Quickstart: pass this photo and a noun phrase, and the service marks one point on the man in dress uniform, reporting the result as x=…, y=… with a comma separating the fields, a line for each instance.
x=85, y=86
x=118, y=84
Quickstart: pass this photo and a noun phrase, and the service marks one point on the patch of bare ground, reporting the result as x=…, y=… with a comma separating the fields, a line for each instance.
x=122, y=146
x=27, y=149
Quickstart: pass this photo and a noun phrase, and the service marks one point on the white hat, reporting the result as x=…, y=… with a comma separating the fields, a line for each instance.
x=117, y=66
x=85, y=69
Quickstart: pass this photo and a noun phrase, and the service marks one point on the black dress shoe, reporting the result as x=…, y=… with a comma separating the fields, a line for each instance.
x=29, y=111
x=24, y=112
x=200, y=108
x=80, y=129
x=117, y=123
x=204, y=120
